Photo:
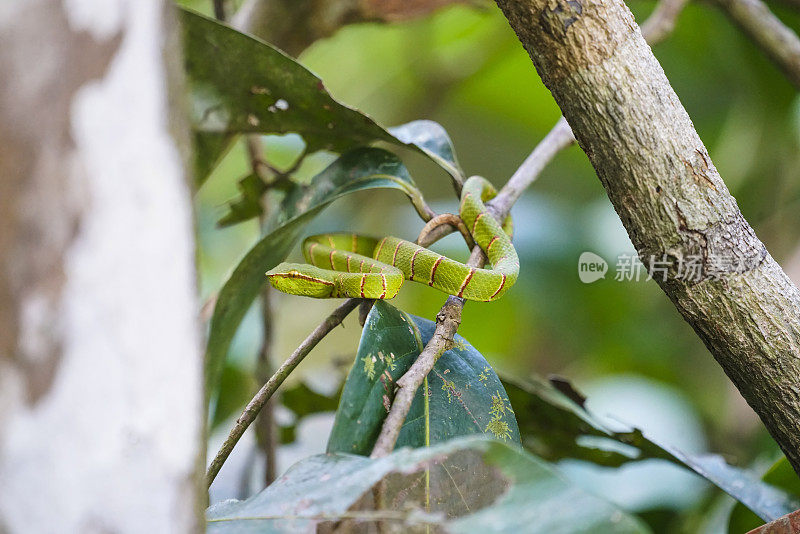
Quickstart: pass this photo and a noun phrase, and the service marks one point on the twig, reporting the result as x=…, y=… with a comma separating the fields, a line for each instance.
x=662, y=20
x=447, y=322
x=429, y=232
x=559, y=138
x=266, y=428
x=219, y=9
x=266, y=391
x=774, y=38
x=449, y=317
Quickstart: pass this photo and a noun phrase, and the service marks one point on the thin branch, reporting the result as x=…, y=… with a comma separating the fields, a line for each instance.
x=266, y=427
x=774, y=38
x=655, y=29
x=559, y=138
x=430, y=233
x=219, y=9
x=266, y=391
x=447, y=321
x=662, y=20
x=449, y=317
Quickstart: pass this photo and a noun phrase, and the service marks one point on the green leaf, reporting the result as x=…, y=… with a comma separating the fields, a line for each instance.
x=239, y=84
x=248, y=205
x=209, y=148
x=237, y=386
x=432, y=139
x=303, y=401
x=462, y=486
x=781, y=475
x=464, y=395
x=357, y=170
x=554, y=426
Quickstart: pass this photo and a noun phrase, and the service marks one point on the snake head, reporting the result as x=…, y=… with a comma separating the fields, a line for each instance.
x=299, y=279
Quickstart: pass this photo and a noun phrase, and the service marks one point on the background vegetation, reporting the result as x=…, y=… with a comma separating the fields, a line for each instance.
x=620, y=342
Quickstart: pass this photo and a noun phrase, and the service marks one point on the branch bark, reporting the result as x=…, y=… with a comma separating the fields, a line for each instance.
x=670, y=197
x=101, y=400
x=775, y=39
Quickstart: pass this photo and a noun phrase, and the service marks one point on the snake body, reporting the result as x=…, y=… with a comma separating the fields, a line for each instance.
x=354, y=265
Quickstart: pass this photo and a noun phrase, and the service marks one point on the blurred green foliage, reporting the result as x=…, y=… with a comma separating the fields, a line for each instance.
x=465, y=69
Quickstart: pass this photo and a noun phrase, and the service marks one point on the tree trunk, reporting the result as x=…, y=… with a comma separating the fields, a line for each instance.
x=671, y=199
x=100, y=362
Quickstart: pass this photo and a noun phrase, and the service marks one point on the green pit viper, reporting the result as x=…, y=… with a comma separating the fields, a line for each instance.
x=354, y=265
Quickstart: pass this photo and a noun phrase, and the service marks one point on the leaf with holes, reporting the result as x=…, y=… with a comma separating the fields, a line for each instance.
x=461, y=396
x=239, y=84
x=461, y=486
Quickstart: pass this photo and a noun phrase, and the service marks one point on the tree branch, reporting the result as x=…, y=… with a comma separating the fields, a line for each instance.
x=559, y=138
x=662, y=20
x=447, y=321
x=266, y=426
x=660, y=24
x=775, y=39
x=266, y=391
x=219, y=9
x=670, y=197
x=779, y=42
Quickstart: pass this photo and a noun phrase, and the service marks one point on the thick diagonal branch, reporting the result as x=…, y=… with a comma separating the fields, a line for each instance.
x=670, y=197
x=656, y=28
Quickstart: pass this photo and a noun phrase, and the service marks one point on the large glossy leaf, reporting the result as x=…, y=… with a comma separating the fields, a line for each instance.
x=357, y=170
x=432, y=139
x=555, y=425
x=239, y=84
x=462, y=486
x=461, y=396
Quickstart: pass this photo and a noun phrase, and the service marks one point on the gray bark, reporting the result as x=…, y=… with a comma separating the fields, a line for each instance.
x=670, y=197
x=101, y=418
